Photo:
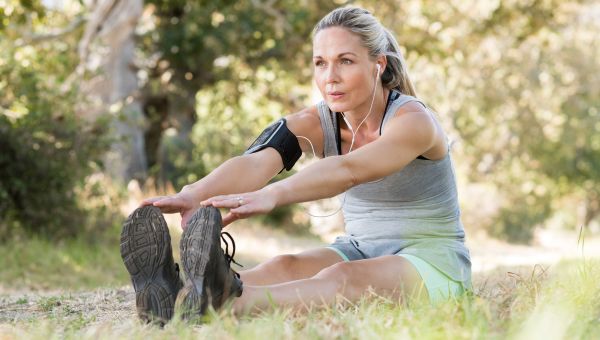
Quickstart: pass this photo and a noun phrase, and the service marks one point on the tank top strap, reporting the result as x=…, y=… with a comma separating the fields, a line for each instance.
x=397, y=103
x=329, y=126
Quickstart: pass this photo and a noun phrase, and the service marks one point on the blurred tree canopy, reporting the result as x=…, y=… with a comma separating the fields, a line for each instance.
x=514, y=82
x=46, y=150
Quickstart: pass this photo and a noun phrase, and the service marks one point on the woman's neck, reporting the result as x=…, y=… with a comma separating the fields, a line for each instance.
x=373, y=120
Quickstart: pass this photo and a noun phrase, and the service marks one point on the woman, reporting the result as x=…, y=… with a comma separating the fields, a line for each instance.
x=380, y=145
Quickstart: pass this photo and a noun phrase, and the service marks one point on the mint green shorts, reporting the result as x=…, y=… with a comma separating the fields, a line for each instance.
x=439, y=286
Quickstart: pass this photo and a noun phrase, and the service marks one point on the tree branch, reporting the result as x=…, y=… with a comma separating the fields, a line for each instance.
x=33, y=39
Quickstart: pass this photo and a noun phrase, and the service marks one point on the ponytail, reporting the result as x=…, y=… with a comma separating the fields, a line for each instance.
x=395, y=75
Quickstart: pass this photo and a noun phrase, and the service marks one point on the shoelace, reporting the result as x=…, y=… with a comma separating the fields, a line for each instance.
x=226, y=253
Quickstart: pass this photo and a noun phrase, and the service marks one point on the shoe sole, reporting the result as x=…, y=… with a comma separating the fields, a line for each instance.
x=145, y=250
x=204, y=226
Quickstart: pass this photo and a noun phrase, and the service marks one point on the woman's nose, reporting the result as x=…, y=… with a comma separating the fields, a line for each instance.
x=332, y=75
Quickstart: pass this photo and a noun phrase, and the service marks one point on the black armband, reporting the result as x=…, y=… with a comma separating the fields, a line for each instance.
x=280, y=138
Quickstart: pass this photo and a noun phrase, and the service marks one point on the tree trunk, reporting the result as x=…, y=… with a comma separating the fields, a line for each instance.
x=107, y=49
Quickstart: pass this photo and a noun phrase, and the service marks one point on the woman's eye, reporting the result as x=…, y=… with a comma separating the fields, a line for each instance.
x=319, y=63
x=346, y=61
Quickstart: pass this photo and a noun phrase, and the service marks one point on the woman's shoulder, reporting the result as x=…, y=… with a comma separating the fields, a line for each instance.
x=305, y=121
x=306, y=115
x=306, y=125
x=413, y=119
x=406, y=103
x=412, y=107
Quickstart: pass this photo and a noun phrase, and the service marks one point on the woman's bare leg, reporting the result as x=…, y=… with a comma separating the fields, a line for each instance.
x=284, y=268
x=391, y=276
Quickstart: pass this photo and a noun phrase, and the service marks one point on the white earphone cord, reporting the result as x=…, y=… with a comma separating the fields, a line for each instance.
x=351, y=143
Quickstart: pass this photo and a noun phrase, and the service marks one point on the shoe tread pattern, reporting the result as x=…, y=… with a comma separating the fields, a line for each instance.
x=145, y=250
x=197, y=240
x=196, y=245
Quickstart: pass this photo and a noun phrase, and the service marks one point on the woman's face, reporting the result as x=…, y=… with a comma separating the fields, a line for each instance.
x=343, y=70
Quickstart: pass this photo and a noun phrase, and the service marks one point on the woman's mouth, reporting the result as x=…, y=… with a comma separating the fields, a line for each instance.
x=335, y=94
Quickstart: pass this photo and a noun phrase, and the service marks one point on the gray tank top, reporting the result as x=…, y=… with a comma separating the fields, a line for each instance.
x=417, y=206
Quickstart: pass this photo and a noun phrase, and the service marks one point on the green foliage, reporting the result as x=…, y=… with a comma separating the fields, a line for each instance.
x=515, y=221
x=47, y=150
x=43, y=160
x=515, y=83
x=195, y=52
x=19, y=12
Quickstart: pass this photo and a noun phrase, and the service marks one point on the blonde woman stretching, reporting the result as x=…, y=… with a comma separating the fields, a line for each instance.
x=380, y=146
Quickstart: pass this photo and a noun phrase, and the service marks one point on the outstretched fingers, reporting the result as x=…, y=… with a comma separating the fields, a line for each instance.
x=241, y=205
x=170, y=204
x=151, y=200
x=235, y=204
x=225, y=201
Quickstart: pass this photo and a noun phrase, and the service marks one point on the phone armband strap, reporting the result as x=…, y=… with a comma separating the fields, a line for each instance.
x=280, y=138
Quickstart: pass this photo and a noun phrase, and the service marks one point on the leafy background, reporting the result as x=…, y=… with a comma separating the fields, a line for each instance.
x=515, y=83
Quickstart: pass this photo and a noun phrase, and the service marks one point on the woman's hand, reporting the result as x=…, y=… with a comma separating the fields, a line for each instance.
x=243, y=205
x=183, y=203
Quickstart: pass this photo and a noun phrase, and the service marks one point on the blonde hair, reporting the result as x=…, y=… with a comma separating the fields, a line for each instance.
x=377, y=39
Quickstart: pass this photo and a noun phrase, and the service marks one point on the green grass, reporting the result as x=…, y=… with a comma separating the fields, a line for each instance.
x=40, y=264
x=557, y=302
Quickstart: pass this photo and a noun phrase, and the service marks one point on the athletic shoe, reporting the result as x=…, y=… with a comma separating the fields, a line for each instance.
x=146, y=252
x=210, y=281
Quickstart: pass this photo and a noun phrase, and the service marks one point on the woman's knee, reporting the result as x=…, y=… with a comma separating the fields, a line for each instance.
x=339, y=274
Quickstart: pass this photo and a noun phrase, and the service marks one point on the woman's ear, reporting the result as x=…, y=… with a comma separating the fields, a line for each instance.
x=381, y=64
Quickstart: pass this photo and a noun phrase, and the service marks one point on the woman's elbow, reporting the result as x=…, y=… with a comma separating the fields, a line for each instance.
x=350, y=174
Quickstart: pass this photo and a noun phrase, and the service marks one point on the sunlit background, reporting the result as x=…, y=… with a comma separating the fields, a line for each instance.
x=103, y=103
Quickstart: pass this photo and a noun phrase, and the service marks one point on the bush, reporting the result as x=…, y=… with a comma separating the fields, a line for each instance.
x=44, y=159
x=517, y=222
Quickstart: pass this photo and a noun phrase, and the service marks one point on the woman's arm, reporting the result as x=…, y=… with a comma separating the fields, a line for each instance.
x=246, y=172
x=238, y=174
x=406, y=136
